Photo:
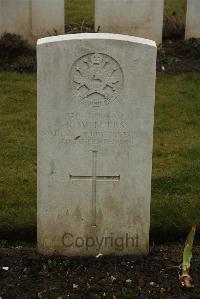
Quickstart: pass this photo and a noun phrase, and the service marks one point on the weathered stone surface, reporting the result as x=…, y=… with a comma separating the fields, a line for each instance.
x=193, y=19
x=143, y=18
x=32, y=19
x=95, y=132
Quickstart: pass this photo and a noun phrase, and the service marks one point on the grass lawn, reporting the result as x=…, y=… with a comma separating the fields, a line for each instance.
x=176, y=167
x=18, y=150
x=176, y=159
x=79, y=11
x=82, y=11
x=176, y=10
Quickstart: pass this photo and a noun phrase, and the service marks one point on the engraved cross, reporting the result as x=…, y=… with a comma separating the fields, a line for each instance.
x=94, y=178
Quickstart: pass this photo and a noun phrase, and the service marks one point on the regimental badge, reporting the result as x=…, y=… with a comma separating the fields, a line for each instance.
x=97, y=79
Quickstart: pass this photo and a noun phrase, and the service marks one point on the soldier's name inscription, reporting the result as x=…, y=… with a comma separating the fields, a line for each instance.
x=93, y=128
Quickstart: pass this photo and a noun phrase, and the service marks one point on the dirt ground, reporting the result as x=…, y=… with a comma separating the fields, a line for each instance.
x=174, y=56
x=177, y=57
x=26, y=274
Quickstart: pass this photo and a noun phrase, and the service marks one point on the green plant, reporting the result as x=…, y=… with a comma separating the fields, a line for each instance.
x=185, y=278
x=127, y=293
x=171, y=60
x=3, y=243
x=54, y=265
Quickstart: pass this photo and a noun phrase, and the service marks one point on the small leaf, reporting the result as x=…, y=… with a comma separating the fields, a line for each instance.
x=187, y=254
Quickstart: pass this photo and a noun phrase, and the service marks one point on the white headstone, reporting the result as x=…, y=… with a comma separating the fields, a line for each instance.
x=193, y=19
x=95, y=132
x=143, y=18
x=32, y=19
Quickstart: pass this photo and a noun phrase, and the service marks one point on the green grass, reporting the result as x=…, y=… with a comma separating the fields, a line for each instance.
x=176, y=173
x=18, y=150
x=176, y=159
x=175, y=10
x=79, y=11
x=82, y=11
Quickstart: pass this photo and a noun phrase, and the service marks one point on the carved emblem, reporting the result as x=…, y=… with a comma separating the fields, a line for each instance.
x=96, y=79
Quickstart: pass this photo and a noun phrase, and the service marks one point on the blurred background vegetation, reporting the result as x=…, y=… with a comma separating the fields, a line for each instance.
x=78, y=11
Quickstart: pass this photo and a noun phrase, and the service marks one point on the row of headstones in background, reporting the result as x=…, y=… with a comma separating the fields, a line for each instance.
x=32, y=19
x=193, y=19
x=96, y=96
x=143, y=18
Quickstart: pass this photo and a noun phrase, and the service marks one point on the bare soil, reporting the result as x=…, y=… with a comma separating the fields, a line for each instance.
x=174, y=56
x=179, y=56
x=30, y=275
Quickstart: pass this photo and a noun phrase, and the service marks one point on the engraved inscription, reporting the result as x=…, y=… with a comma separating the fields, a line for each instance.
x=97, y=79
x=95, y=130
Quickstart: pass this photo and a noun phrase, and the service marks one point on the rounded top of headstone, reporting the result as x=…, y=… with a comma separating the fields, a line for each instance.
x=96, y=36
